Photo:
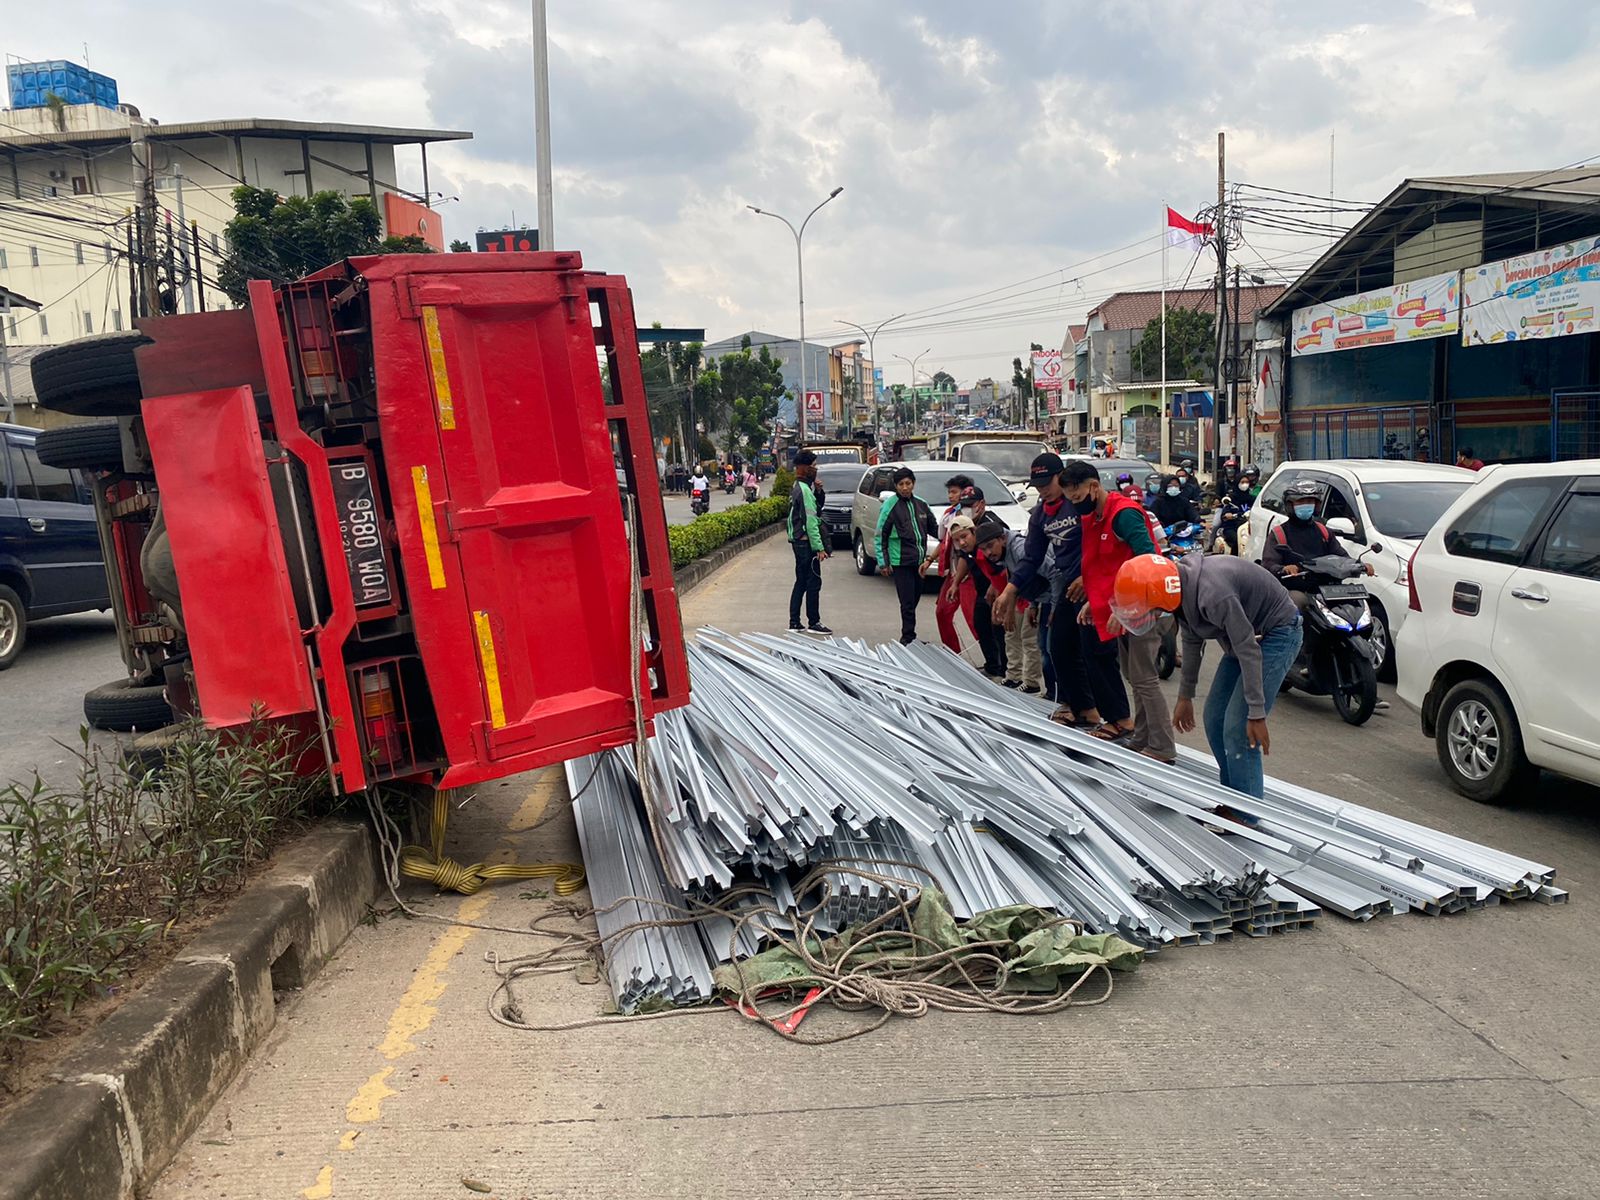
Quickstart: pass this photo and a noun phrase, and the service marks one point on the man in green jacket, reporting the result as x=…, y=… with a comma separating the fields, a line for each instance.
x=805, y=537
x=905, y=523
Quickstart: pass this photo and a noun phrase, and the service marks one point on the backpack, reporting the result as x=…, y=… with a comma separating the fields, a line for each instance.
x=1283, y=539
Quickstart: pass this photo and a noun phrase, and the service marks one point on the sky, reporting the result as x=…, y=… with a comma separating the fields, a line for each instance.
x=1004, y=165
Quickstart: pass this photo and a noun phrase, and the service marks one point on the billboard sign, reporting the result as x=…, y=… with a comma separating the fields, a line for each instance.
x=1545, y=294
x=1406, y=312
x=407, y=218
x=501, y=240
x=1047, y=370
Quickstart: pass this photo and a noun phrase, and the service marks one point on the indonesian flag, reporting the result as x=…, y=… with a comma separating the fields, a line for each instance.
x=1186, y=234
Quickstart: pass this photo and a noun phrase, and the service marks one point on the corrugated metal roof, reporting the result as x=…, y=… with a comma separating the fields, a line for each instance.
x=263, y=127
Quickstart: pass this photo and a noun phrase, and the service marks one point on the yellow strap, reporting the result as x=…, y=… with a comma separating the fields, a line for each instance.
x=431, y=865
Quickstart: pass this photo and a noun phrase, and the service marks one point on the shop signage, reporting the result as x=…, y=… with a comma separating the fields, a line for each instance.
x=1406, y=312
x=1549, y=293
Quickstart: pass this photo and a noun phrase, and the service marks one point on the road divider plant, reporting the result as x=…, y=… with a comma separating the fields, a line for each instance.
x=713, y=530
x=95, y=875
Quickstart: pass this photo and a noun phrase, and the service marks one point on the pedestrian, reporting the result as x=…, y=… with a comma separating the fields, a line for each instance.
x=1465, y=458
x=1051, y=553
x=956, y=602
x=991, y=636
x=953, y=487
x=1115, y=529
x=810, y=551
x=1004, y=549
x=905, y=523
x=1240, y=606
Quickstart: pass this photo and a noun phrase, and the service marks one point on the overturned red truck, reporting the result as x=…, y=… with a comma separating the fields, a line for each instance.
x=383, y=504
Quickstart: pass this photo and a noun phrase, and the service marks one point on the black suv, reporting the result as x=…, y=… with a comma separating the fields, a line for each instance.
x=50, y=560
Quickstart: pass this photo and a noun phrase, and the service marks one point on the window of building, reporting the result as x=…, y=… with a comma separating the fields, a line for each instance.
x=78, y=250
x=13, y=327
x=33, y=255
x=116, y=318
x=80, y=185
x=88, y=321
x=3, y=264
x=1572, y=547
x=1501, y=527
x=216, y=247
x=44, y=325
x=111, y=252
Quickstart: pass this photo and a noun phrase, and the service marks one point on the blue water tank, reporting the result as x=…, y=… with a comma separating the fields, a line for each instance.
x=30, y=84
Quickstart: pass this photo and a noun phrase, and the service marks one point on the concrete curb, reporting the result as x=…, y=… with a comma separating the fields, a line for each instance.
x=129, y=1095
x=139, y=1084
x=691, y=574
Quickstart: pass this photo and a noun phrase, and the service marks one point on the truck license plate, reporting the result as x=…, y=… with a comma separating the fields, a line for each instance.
x=365, y=556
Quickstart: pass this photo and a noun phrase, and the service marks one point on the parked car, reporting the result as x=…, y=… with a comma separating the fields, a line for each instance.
x=50, y=561
x=1497, y=654
x=1367, y=501
x=839, y=482
x=931, y=474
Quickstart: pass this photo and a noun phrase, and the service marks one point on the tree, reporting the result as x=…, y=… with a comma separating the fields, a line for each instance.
x=1022, y=378
x=460, y=247
x=282, y=239
x=749, y=387
x=943, y=381
x=1191, y=346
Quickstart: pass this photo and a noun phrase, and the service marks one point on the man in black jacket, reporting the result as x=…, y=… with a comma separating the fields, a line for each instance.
x=905, y=523
x=1301, y=538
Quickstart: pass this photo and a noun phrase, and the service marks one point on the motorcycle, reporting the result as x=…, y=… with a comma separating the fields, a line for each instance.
x=727, y=484
x=699, y=502
x=750, y=492
x=1337, y=657
x=1182, y=539
x=1230, y=518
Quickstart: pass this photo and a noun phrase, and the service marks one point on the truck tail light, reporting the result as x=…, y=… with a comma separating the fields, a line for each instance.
x=378, y=712
x=1413, y=601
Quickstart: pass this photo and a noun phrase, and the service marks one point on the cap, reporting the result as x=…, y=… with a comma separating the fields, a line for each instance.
x=804, y=458
x=990, y=528
x=1045, y=468
x=970, y=496
x=959, y=521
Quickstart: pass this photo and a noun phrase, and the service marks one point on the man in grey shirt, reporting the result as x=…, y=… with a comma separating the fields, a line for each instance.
x=1239, y=605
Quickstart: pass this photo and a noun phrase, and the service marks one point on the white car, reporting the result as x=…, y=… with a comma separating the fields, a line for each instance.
x=1498, y=653
x=1368, y=502
x=931, y=475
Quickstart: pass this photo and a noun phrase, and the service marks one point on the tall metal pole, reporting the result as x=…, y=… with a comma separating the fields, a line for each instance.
x=800, y=275
x=1239, y=424
x=1222, y=267
x=199, y=270
x=183, y=225
x=144, y=198
x=872, y=354
x=5, y=362
x=541, y=126
x=1163, y=425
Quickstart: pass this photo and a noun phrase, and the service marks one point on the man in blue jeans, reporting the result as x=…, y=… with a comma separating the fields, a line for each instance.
x=1239, y=605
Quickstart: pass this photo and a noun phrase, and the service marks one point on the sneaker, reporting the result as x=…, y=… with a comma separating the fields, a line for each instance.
x=1031, y=690
x=1012, y=683
x=907, y=639
x=822, y=629
x=797, y=629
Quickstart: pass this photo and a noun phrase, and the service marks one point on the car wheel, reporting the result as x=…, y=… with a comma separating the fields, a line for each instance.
x=864, y=564
x=13, y=626
x=96, y=447
x=1382, y=644
x=1480, y=746
x=91, y=377
x=125, y=706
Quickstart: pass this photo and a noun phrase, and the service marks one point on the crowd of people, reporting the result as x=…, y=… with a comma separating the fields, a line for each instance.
x=1076, y=606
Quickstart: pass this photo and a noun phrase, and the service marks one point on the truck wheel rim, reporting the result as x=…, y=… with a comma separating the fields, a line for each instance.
x=1474, y=740
x=10, y=626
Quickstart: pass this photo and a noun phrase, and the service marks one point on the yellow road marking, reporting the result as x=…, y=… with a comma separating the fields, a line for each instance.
x=441, y=369
x=430, y=530
x=491, y=669
x=348, y=1141
x=416, y=1010
x=323, y=1187
x=538, y=800
x=368, y=1102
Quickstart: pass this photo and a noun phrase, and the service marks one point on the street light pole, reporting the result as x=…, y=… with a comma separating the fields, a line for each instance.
x=800, y=275
x=912, y=363
x=877, y=406
x=541, y=127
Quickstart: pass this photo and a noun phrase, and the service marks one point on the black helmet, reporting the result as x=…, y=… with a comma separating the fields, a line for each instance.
x=1188, y=465
x=1253, y=471
x=1302, y=489
x=1152, y=481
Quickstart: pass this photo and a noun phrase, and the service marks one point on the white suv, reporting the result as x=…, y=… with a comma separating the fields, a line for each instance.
x=878, y=482
x=1367, y=501
x=1498, y=653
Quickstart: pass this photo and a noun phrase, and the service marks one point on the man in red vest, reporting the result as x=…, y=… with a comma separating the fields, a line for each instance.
x=1115, y=528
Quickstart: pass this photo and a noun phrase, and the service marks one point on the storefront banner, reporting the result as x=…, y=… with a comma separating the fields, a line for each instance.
x=1422, y=308
x=1549, y=293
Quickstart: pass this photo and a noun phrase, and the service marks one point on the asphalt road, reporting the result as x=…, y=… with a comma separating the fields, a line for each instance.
x=41, y=696
x=1409, y=1056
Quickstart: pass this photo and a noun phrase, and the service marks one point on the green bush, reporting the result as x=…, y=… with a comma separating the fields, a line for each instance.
x=704, y=534
x=783, y=481
x=95, y=873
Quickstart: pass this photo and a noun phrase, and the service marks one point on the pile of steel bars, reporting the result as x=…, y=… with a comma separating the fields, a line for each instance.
x=904, y=762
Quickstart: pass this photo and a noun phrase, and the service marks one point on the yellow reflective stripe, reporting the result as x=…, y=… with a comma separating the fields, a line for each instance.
x=430, y=531
x=491, y=669
x=441, y=373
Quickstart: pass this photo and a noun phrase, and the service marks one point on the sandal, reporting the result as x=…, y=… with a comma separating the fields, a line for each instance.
x=1065, y=716
x=1108, y=732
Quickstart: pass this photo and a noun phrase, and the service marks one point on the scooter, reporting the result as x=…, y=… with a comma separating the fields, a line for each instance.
x=1183, y=539
x=750, y=493
x=1230, y=518
x=699, y=502
x=1337, y=657
x=727, y=483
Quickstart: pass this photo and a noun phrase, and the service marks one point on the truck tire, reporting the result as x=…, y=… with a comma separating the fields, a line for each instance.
x=1480, y=744
x=13, y=626
x=91, y=377
x=96, y=447
x=124, y=706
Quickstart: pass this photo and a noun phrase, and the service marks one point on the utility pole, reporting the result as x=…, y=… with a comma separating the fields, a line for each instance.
x=1240, y=425
x=183, y=225
x=144, y=198
x=199, y=271
x=133, y=275
x=1222, y=280
x=541, y=126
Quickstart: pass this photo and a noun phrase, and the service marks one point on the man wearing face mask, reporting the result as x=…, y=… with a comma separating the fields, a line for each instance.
x=1187, y=483
x=1301, y=538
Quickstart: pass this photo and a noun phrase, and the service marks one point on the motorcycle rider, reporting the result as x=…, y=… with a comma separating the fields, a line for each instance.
x=1227, y=478
x=1171, y=507
x=1233, y=505
x=1300, y=539
x=699, y=483
x=1187, y=483
x=1152, y=488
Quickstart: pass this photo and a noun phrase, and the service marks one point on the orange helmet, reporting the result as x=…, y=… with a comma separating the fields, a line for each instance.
x=1147, y=585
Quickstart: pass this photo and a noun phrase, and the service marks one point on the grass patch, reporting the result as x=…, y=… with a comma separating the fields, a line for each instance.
x=94, y=876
